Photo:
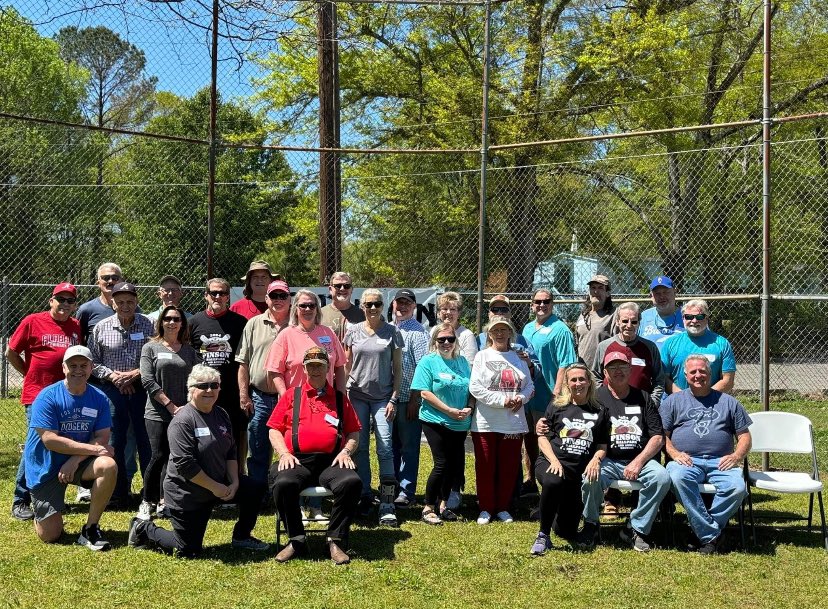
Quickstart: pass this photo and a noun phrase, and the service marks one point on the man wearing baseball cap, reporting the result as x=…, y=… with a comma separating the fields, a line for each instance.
x=256, y=395
x=170, y=293
x=256, y=280
x=636, y=438
x=68, y=443
x=660, y=322
x=36, y=351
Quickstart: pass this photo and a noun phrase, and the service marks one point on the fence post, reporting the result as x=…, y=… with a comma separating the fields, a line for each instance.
x=764, y=339
x=484, y=159
x=4, y=368
x=213, y=138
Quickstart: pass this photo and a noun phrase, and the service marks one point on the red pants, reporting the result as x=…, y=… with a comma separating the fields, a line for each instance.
x=496, y=465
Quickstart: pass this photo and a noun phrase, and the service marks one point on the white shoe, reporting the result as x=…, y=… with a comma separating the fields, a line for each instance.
x=84, y=495
x=453, y=501
x=505, y=516
x=484, y=518
x=316, y=515
x=144, y=511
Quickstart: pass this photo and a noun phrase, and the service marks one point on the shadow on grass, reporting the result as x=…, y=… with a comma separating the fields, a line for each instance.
x=376, y=543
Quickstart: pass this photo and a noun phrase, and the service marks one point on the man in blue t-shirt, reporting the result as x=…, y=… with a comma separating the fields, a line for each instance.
x=68, y=443
x=700, y=424
x=698, y=339
x=663, y=320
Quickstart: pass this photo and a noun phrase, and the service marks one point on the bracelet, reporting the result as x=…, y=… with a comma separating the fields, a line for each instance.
x=394, y=401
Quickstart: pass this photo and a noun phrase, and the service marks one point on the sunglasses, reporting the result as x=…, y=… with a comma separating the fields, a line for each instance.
x=542, y=301
x=218, y=294
x=307, y=305
x=697, y=317
x=341, y=286
x=109, y=278
x=446, y=339
x=206, y=386
x=631, y=322
x=171, y=319
x=64, y=300
x=373, y=305
x=279, y=295
x=499, y=310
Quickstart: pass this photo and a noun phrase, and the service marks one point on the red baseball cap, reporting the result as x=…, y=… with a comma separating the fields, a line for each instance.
x=615, y=356
x=278, y=285
x=65, y=287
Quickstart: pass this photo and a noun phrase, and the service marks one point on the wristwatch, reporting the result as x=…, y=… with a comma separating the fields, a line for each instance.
x=347, y=451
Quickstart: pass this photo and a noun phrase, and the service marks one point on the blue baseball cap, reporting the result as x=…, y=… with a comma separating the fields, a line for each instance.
x=661, y=280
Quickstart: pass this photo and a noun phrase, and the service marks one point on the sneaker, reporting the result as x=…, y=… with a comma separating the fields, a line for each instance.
x=136, y=538
x=162, y=512
x=636, y=540
x=454, y=500
x=588, y=536
x=22, y=511
x=145, y=511
x=541, y=545
x=250, y=543
x=387, y=515
x=711, y=547
x=484, y=518
x=505, y=516
x=315, y=515
x=402, y=500
x=92, y=538
x=84, y=495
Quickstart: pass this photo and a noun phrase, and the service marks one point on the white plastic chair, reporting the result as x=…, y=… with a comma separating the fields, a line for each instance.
x=311, y=491
x=785, y=432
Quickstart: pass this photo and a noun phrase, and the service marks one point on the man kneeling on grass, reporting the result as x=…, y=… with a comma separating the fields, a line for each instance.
x=68, y=443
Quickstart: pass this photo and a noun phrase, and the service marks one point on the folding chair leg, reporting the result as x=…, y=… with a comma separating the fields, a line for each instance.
x=742, y=525
x=750, y=510
x=810, y=510
x=822, y=514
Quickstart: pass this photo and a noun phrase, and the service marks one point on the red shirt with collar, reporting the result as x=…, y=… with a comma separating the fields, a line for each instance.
x=316, y=434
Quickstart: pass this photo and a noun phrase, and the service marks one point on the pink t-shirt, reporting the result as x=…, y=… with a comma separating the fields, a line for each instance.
x=289, y=348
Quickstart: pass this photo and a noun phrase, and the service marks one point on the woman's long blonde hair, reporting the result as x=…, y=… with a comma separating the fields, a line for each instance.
x=565, y=396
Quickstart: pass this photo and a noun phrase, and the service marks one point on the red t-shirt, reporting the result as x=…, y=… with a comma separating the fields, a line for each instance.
x=42, y=341
x=316, y=434
x=248, y=308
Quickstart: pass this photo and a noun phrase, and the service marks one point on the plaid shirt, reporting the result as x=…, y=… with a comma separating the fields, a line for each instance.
x=415, y=347
x=118, y=349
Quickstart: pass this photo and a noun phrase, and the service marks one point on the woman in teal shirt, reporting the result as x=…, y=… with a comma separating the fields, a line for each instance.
x=442, y=377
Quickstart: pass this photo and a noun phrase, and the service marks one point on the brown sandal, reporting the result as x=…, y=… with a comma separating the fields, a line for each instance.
x=430, y=517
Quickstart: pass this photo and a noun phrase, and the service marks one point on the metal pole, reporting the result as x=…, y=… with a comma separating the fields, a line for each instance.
x=484, y=159
x=213, y=138
x=766, y=218
x=4, y=369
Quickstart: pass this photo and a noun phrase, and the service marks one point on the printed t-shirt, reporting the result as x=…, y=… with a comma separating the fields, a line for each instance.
x=575, y=432
x=633, y=420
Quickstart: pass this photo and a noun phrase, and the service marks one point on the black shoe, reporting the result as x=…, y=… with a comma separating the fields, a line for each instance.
x=137, y=538
x=22, y=511
x=588, y=536
x=92, y=538
x=693, y=543
x=711, y=547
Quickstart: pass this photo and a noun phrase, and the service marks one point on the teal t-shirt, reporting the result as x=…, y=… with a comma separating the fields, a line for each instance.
x=714, y=347
x=554, y=346
x=448, y=379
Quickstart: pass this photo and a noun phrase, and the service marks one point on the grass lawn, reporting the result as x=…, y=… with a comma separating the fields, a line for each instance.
x=456, y=565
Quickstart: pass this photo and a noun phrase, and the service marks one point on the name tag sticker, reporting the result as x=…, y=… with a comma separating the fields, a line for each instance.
x=710, y=357
x=445, y=376
x=329, y=418
x=590, y=417
x=136, y=336
x=165, y=356
x=202, y=432
x=89, y=412
x=632, y=410
x=545, y=330
x=324, y=339
x=637, y=361
x=383, y=342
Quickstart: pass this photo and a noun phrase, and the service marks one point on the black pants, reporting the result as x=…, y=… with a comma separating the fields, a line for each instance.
x=448, y=452
x=189, y=526
x=157, y=466
x=560, y=501
x=316, y=470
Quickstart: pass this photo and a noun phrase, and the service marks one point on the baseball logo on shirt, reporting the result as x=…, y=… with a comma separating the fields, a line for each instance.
x=625, y=432
x=576, y=436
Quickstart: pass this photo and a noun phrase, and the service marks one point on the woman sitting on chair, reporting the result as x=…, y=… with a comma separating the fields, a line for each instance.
x=314, y=430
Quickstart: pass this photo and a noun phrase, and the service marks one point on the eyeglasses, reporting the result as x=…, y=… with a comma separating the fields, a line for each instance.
x=543, y=301
x=697, y=317
x=307, y=305
x=341, y=286
x=279, y=296
x=499, y=310
x=373, y=305
x=171, y=319
x=631, y=322
x=446, y=339
x=64, y=300
x=217, y=293
x=109, y=278
x=206, y=386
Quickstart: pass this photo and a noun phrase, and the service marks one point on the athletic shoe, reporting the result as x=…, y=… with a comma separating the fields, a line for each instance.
x=588, y=536
x=542, y=544
x=22, y=511
x=637, y=541
x=250, y=543
x=315, y=515
x=92, y=538
x=387, y=515
x=136, y=538
x=484, y=518
x=145, y=511
x=505, y=516
x=454, y=500
x=711, y=547
x=84, y=495
x=162, y=512
x=402, y=500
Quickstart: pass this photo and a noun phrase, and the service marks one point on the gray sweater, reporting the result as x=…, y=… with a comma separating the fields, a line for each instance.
x=162, y=368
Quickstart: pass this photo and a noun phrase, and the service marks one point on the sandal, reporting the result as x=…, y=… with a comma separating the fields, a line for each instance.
x=431, y=517
x=449, y=516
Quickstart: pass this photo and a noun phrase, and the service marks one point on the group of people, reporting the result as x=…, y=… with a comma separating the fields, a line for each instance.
x=205, y=400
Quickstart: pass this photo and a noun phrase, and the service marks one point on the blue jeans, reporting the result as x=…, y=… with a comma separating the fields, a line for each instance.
x=21, y=491
x=258, y=442
x=656, y=483
x=730, y=492
x=126, y=410
x=406, y=446
x=367, y=410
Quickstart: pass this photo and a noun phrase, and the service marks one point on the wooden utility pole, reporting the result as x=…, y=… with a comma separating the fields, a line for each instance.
x=330, y=192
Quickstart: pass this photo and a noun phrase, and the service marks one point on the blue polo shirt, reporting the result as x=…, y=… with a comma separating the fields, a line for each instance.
x=714, y=347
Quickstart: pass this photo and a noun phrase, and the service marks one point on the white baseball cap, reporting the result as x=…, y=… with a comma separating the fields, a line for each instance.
x=77, y=350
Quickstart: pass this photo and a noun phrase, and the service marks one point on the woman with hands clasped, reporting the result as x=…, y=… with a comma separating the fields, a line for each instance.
x=202, y=471
x=502, y=384
x=573, y=438
x=442, y=377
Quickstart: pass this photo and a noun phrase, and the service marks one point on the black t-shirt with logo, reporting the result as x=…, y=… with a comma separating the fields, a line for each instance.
x=575, y=432
x=633, y=420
